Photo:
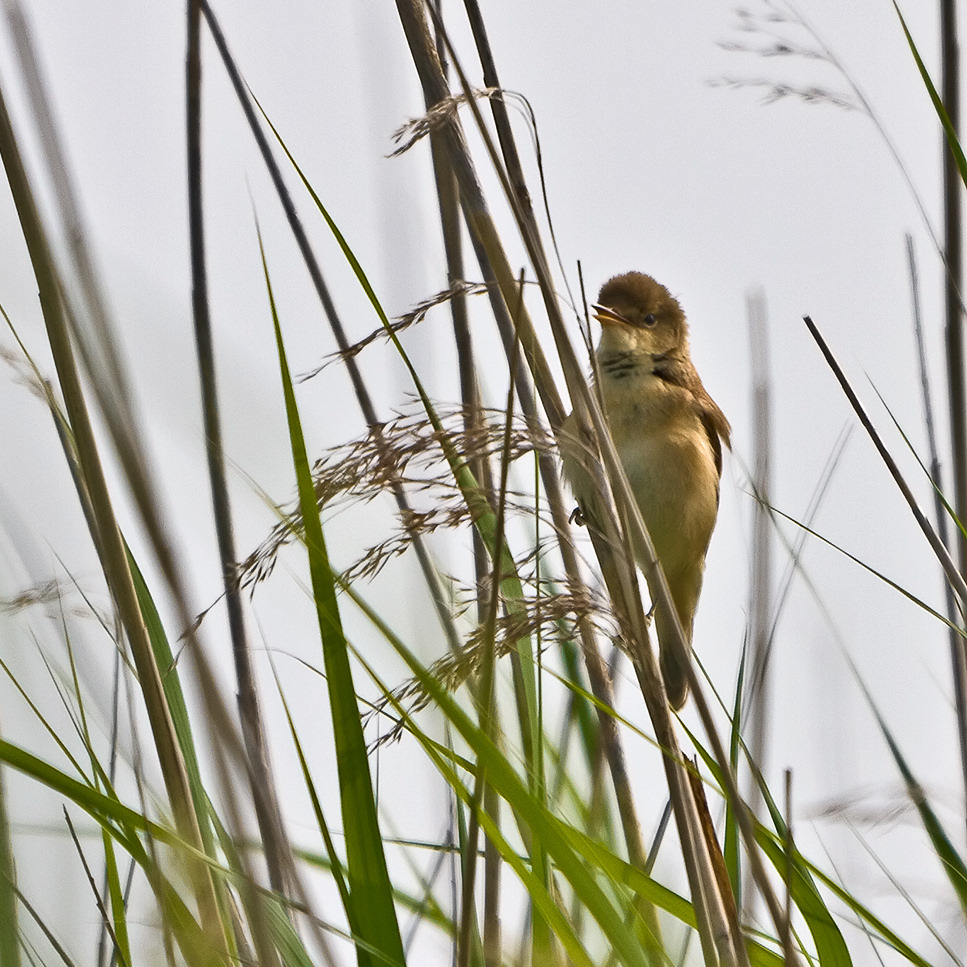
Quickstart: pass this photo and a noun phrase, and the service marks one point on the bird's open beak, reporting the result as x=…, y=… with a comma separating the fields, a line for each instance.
x=608, y=317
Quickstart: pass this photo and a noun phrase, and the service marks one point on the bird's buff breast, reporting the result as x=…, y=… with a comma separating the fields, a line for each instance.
x=670, y=464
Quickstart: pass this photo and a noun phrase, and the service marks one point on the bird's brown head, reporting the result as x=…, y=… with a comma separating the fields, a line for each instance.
x=638, y=313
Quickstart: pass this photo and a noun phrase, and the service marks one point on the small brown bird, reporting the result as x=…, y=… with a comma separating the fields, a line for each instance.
x=668, y=433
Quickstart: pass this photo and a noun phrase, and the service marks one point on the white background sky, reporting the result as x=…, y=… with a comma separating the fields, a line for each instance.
x=648, y=167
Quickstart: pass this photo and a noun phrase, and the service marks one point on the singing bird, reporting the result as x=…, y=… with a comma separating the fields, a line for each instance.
x=668, y=433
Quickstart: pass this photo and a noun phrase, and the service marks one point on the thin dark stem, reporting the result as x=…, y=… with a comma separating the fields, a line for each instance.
x=109, y=543
x=958, y=655
x=467, y=908
x=789, y=844
x=954, y=335
x=951, y=572
x=953, y=252
x=448, y=199
x=492, y=861
x=106, y=919
x=260, y=777
x=449, y=205
x=508, y=146
x=360, y=389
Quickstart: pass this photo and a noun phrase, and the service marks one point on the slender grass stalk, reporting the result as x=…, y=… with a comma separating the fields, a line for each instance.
x=481, y=224
x=958, y=652
x=954, y=334
x=953, y=252
x=505, y=134
x=372, y=913
x=111, y=547
x=275, y=844
x=790, y=861
x=756, y=701
x=9, y=920
x=760, y=596
x=109, y=384
x=450, y=224
x=485, y=793
x=951, y=572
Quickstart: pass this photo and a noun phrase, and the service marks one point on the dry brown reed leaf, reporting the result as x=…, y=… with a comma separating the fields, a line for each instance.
x=418, y=128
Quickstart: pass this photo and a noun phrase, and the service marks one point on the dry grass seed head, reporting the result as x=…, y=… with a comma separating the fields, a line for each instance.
x=554, y=615
x=407, y=451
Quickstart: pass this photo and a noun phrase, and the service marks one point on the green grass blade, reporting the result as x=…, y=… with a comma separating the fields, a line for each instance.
x=290, y=948
x=371, y=894
x=543, y=903
x=831, y=948
x=171, y=683
x=426, y=905
x=334, y=864
x=867, y=916
x=542, y=824
x=123, y=824
x=108, y=812
x=889, y=582
x=938, y=493
x=115, y=889
x=583, y=711
x=483, y=515
x=9, y=929
x=952, y=140
x=864, y=913
x=951, y=860
x=731, y=851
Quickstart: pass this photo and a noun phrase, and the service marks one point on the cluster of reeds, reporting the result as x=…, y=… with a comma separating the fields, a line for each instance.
x=543, y=799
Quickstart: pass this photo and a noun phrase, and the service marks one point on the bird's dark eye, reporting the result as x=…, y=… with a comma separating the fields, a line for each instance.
x=649, y=320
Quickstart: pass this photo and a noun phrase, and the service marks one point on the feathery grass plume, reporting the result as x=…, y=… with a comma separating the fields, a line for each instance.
x=457, y=290
x=409, y=451
x=551, y=614
x=775, y=42
x=771, y=32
